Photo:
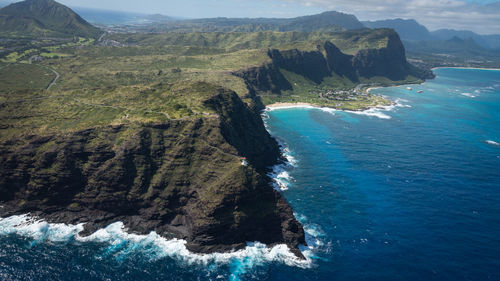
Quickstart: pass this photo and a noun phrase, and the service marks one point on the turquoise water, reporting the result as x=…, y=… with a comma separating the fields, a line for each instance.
x=410, y=192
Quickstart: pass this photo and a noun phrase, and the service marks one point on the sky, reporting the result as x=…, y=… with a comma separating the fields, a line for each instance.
x=481, y=16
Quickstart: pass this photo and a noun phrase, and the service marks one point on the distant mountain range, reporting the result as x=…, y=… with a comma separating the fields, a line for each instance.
x=407, y=29
x=45, y=18
x=412, y=30
x=41, y=17
x=327, y=21
x=51, y=19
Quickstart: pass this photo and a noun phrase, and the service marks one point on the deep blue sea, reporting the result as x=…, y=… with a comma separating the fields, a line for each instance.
x=409, y=192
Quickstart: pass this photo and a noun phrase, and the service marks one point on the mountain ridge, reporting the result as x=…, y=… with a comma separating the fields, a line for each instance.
x=412, y=30
x=45, y=18
x=408, y=29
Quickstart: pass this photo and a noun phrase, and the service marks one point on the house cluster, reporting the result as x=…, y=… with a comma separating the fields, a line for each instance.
x=342, y=95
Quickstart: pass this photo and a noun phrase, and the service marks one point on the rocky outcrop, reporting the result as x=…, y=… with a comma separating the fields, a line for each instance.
x=389, y=61
x=181, y=178
x=265, y=78
x=310, y=64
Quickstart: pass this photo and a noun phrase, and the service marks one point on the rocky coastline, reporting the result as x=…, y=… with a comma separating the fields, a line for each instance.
x=182, y=178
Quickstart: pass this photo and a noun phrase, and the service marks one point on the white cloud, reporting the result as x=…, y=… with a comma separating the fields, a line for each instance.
x=434, y=14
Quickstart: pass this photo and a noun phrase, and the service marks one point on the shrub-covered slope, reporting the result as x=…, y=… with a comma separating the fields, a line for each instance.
x=182, y=178
x=43, y=18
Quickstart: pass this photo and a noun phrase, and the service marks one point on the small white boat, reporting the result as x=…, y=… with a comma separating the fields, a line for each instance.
x=420, y=91
x=408, y=88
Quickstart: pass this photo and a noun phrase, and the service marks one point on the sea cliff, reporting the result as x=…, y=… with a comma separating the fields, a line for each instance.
x=180, y=178
x=327, y=66
x=162, y=150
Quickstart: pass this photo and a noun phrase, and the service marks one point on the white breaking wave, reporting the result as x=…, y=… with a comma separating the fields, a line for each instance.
x=328, y=110
x=379, y=111
x=468, y=95
x=313, y=234
x=280, y=177
x=372, y=112
x=289, y=157
x=289, y=106
x=492, y=142
x=155, y=246
x=280, y=173
x=399, y=103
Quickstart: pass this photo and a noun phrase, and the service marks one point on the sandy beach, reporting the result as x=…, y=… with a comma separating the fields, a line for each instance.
x=281, y=105
x=372, y=88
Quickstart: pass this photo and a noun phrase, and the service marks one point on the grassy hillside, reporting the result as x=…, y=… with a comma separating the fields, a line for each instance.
x=43, y=18
x=349, y=42
x=24, y=77
x=44, y=112
x=156, y=77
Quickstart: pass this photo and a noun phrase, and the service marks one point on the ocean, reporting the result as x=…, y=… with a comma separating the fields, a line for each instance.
x=406, y=192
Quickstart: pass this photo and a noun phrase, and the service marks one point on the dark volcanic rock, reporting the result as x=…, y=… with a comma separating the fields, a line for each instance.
x=264, y=78
x=181, y=179
x=310, y=64
x=389, y=61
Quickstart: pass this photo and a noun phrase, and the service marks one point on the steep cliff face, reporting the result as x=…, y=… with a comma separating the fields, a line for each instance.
x=388, y=61
x=265, y=78
x=340, y=63
x=310, y=64
x=181, y=178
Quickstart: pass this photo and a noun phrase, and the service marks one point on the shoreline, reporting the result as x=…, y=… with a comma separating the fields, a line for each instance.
x=465, y=67
x=368, y=90
x=284, y=105
x=32, y=226
x=289, y=105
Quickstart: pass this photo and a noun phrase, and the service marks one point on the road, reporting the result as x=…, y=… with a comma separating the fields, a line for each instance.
x=101, y=37
x=55, y=79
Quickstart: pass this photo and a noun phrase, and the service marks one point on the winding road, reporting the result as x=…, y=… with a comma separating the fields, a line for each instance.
x=55, y=79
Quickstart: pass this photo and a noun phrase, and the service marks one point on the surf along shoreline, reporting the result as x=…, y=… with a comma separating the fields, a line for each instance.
x=287, y=105
x=465, y=67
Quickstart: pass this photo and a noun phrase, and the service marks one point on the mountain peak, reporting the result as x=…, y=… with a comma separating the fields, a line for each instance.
x=43, y=18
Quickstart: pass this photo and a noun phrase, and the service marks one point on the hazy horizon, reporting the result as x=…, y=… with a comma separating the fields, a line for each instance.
x=480, y=16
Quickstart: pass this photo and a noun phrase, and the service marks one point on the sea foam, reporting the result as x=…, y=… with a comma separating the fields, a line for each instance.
x=492, y=142
x=155, y=247
x=468, y=95
x=372, y=112
x=280, y=177
x=289, y=106
x=280, y=173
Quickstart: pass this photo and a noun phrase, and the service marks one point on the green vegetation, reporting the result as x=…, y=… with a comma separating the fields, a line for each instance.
x=23, y=77
x=306, y=91
x=45, y=18
x=327, y=21
x=23, y=50
x=43, y=112
x=151, y=78
x=349, y=42
x=150, y=128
